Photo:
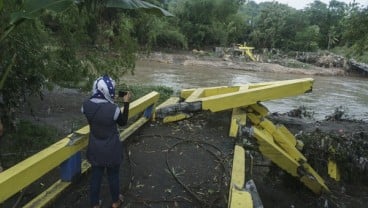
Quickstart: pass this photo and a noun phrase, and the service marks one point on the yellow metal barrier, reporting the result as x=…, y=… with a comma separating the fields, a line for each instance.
x=225, y=98
x=333, y=170
x=238, y=119
x=238, y=196
x=275, y=141
x=279, y=145
x=26, y=172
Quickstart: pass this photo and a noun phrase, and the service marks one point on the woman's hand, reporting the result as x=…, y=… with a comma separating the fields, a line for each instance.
x=126, y=98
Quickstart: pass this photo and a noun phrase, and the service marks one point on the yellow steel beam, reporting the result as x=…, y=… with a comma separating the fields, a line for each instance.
x=274, y=152
x=238, y=169
x=57, y=188
x=260, y=109
x=279, y=145
x=218, y=90
x=168, y=102
x=210, y=91
x=263, y=84
x=198, y=93
x=252, y=96
x=177, y=117
x=313, y=181
x=238, y=119
x=240, y=199
x=132, y=128
x=142, y=103
x=283, y=138
x=333, y=170
x=247, y=50
x=238, y=196
x=255, y=119
x=13, y=179
x=45, y=198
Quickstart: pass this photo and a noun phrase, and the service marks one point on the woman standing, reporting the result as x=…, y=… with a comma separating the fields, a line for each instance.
x=104, y=150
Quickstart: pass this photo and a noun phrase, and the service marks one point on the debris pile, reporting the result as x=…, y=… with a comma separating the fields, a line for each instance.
x=327, y=60
x=336, y=138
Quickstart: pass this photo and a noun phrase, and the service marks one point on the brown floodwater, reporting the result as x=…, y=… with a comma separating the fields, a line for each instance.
x=329, y=92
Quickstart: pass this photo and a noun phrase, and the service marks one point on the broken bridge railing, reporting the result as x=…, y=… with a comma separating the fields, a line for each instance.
x=66, y=154
x=249, y=119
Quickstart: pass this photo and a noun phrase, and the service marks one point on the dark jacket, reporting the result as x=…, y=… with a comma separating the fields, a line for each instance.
x=104, y=146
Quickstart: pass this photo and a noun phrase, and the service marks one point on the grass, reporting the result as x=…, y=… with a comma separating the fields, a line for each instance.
x=141, y=90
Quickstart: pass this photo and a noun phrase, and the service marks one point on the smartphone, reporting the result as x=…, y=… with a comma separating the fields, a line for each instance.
x=122, y=93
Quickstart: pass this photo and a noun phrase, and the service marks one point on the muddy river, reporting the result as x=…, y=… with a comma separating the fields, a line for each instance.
x=329, y=92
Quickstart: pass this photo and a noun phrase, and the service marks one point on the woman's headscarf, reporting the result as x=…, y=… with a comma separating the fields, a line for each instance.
x=104, y=88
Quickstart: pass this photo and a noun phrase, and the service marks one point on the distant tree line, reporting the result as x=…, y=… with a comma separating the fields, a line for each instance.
x=72, y=43
x=271, y=24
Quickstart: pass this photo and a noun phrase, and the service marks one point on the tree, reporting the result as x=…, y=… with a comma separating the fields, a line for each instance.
x=307, y=39
x=356, y=30
x=317, y=14
x=45, y=50
x=270, y=25
x=206, y=22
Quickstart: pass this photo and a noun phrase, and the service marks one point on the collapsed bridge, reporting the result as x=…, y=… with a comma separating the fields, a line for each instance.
x=248, y=118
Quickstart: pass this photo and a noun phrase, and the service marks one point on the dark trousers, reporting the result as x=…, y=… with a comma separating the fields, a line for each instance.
x=96, y=179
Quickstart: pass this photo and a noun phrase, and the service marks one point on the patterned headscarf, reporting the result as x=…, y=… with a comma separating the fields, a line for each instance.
x=104, y=88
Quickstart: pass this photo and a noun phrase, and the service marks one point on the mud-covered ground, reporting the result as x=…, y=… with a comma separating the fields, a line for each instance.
x=188, y=163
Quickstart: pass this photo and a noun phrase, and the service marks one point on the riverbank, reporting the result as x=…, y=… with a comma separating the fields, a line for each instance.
x=228, y=62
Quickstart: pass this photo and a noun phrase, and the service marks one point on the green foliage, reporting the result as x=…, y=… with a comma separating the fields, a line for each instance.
x=28, y=71
x=152, y=31
x=141, y=90
x=205, y=22
x=68, y=48
x=27, y=140
x=134, y=4
x=31, y=9
x=274, y=26
x=307, y=39
x=356, y=30
x=317, y=13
